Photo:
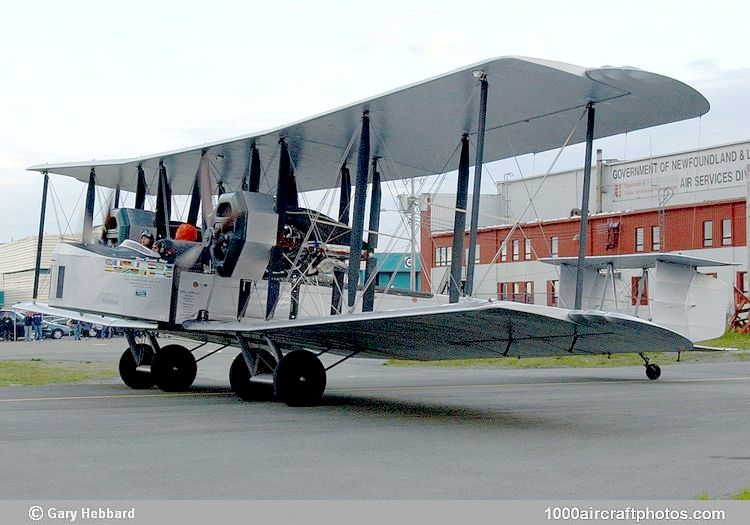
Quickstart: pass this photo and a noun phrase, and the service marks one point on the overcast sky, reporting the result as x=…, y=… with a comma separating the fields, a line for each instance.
x=98, y=79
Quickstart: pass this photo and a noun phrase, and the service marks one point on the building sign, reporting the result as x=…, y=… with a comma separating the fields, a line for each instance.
x=713, y=174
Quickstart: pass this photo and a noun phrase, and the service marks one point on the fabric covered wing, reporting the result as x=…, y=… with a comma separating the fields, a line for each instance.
x=533, y=105
x=462, y=331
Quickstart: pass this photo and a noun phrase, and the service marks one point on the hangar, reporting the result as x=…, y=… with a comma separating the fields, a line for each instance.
x=17, y=263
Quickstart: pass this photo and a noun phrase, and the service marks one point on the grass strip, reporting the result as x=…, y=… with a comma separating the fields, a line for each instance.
x=742, y=494
x=38, y=372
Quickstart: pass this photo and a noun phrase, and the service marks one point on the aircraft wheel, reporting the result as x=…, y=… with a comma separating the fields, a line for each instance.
x=299, y=379
x=239, y=378
x=174, y=368
x=136, y=379
x=653, y=371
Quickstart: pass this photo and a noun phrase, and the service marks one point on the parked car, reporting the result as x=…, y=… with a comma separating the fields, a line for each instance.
x=54, y=330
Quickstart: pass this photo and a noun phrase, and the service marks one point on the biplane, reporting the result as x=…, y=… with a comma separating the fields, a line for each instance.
x=281, y=281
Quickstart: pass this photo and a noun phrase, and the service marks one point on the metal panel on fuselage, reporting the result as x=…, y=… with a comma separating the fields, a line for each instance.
x=136, y=288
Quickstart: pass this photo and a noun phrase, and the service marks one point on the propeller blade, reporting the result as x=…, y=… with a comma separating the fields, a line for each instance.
x=207, y=191
x=98, y=234
x=188, y=259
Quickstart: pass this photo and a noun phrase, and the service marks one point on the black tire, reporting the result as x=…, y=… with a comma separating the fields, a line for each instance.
x=57, y=333
x=136, y=379
x=299, y=379
x=239, y=378
x=653, y=372
x=174, y=368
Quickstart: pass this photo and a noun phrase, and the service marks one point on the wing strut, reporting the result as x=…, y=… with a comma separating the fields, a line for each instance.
x=163, y=204
x=459, y=222
x=282, y=195
x=254, y=182
x=469, y=287
x=358, y=215
x=345, y=196
x=88, y=214
x=40, y=239
x=368, y=299
x=582, y=241
x=140, y=191
x=195, y=196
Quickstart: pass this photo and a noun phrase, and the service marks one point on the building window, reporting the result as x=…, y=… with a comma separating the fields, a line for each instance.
x=476, y=255
x=443, y=256
x=504, y=252
x=518, y=291
x=726, y=232
x=613, y=235
x=554, y=245
x=655, y=239
x=516, y=250
x=527, y=250
x=708, y=234
x=634, y=284
x=553, y=289
x=742, y=283
x=640, y=240
x=529, y=292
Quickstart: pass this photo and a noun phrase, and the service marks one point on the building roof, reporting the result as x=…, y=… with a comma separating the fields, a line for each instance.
x=635, y=261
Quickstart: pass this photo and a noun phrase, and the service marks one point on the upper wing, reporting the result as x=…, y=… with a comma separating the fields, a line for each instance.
x=532, y=106
x=468, y=330
x=104, y=320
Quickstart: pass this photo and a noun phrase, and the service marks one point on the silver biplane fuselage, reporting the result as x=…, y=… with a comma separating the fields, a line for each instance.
x=134, y=282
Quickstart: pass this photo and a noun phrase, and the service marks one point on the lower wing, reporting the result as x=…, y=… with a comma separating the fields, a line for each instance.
x=104, y=320
x=461, y=331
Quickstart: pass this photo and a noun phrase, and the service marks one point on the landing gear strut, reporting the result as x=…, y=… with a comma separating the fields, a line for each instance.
x=174, y=368
x=249, y=386
x=652, y=371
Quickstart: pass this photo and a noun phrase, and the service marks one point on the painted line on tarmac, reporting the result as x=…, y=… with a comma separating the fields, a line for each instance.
x=550, y=383
x=117, y=396
x=389, y=388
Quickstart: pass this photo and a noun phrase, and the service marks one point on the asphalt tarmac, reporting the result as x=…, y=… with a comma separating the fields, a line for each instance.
x=381, y=433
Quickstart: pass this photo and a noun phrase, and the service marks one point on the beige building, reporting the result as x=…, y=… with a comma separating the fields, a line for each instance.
x=17, y=262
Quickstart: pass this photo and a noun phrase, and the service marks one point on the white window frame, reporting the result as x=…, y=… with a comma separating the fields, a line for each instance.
x=640, y=239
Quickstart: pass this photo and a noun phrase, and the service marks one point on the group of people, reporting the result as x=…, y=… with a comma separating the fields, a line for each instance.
x=32, y=327
x=8, y=327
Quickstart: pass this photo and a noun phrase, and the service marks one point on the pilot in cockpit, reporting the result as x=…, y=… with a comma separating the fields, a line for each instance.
x=147, y=239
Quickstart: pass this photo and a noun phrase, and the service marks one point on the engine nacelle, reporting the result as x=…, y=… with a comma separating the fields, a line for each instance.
x=245, y=231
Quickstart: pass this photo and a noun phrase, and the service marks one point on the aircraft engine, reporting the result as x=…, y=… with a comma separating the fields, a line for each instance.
x=243, y=234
